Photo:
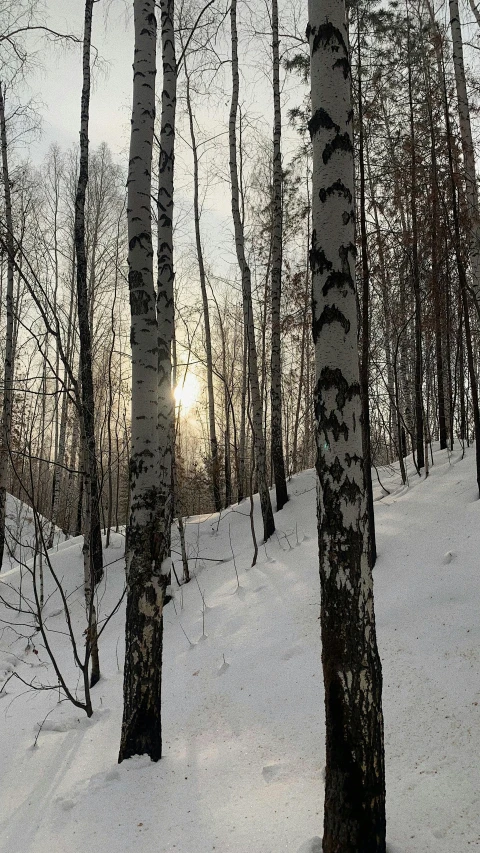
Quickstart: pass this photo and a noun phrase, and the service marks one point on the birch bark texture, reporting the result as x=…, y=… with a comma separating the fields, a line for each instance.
x=165, y=270
x=252, y=362
x=277, y=229
x=146, y=581
x=6, y=429
x=354, y=817
x=471, y=190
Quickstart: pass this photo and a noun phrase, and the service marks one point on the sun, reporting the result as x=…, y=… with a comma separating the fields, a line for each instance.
x=186, y=393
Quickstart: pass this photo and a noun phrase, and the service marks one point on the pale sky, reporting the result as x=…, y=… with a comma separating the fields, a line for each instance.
x=56, y=88
x=58, y=83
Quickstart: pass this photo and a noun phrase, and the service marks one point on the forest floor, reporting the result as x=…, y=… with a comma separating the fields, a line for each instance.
x=243, y=711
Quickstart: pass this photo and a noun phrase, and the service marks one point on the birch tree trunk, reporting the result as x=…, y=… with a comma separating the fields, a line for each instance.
x=92, y=533
x=6, y=429
x=277, y=229
x=365, y=328
x=471, y=190
x=354, y=820
x=257, y=420
x=165, y=303
x=60, y=455
x=217, y=501
x=147, y=563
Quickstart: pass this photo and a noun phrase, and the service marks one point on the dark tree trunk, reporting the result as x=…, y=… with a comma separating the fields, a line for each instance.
x=419, y=428
x=365, y=330
x=93, y=538
x=6, y=427
x=277, y=229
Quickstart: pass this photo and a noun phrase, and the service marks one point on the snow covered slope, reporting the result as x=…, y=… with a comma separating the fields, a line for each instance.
x=243, y=698
x=20, y=532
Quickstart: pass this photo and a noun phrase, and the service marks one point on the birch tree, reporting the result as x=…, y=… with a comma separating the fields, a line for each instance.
x=6, y=427
x=354, y=819
x=215, y=462
x=276, y=363
x=92, y=547
x=146, y=563
x=256, y=401
x=165, y=280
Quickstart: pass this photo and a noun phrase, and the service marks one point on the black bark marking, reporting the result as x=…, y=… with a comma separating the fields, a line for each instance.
x=340, y=280
x=351, y=490
x=330, y=314
x=341, y=142
x=334, y=378
x=321, y=119
x=339, y=188
x=353, y=459
x=139, y=238
x=318, y=260
x=139, y=298
x=336, y=470
x=344, y=64
x=324, y=35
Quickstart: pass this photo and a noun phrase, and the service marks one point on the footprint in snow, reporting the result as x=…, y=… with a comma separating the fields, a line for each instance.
x=292, y=653
x=272, y=771
x=65, y=804
x=112, y=775
x=438, y=833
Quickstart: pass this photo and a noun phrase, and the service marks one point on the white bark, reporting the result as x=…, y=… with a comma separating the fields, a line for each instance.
x=146, y=583
x=166, y=275
x=354, y=782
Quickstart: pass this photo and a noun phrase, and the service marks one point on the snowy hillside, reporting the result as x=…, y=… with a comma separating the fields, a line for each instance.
x=20, y=532
x=243, y=698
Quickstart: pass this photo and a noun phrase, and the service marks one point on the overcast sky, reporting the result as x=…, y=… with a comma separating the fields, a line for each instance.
x=58, y=82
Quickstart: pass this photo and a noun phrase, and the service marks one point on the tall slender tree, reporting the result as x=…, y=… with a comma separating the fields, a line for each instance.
x=92, y=547
x=215, y=462
x=468, y=150
x=354, y=819
x=365, y=302
x=6, y=427
x=257, y=414
x=165, y=270
x=147, y=560
x=276, y=293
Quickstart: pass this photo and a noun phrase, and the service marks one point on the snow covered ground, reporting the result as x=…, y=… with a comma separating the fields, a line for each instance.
x=20, y=532
x=243, y=699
